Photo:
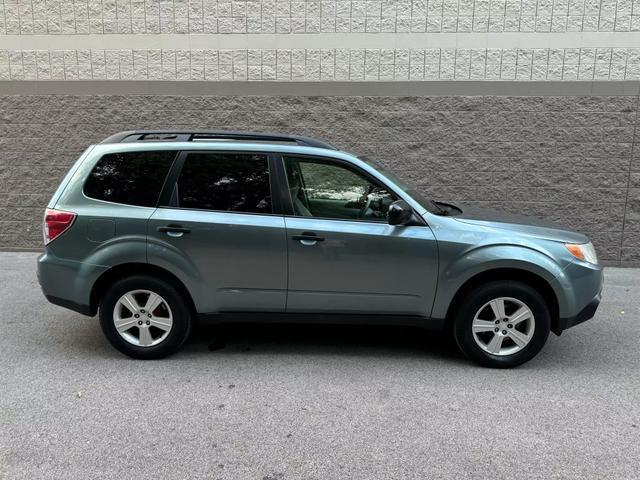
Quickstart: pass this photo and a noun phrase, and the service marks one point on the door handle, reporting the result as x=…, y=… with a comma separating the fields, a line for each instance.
x=174, y=230
x=308, y=238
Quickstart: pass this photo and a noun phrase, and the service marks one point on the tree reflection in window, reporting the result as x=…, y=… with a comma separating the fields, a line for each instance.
x=325, y=189
x=132, y=178
x=236, y=182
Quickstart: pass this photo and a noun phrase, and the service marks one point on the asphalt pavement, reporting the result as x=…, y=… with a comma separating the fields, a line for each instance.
x=284, y=402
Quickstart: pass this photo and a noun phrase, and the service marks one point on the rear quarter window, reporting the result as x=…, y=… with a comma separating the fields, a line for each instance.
x=131, y=178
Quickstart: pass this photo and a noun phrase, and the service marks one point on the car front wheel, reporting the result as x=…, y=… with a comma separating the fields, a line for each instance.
x=502, y=324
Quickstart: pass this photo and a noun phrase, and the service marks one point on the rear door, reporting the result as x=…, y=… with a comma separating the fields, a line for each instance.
x=344, y=257
x=217, y=224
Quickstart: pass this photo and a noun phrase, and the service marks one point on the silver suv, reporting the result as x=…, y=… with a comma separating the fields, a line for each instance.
x=158, y=230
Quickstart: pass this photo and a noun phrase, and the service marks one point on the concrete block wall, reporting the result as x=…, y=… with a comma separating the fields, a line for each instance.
x=572, y=159
x=523, y=105
x=334, y=64
x=60, y=17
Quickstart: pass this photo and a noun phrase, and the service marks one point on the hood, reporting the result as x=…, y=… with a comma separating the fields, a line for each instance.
x=519, y=224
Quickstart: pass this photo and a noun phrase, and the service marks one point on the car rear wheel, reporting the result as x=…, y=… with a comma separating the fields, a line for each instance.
x=144, y=317
x=502, y=324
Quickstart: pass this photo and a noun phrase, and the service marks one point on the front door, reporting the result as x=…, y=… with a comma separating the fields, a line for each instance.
x=219, y=229
x=343, y=255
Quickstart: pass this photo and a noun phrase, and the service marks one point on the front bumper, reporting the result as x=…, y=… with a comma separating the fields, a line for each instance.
x=585, y=314
x=582, y=285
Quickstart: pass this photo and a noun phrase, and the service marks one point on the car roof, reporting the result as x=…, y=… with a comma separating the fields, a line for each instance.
x=146, y=136
x=219, y=146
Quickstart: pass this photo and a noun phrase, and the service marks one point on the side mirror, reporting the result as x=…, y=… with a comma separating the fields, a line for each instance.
x=400, y=213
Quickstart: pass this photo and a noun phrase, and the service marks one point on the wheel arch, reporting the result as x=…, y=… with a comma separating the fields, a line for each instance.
x=118, y=272
x=527, y=277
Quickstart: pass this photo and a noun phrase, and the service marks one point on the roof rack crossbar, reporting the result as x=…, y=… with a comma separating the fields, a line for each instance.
x=195, y=135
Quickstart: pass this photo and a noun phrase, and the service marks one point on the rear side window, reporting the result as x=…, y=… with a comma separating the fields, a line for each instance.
x=132, y=178
x=233, y=182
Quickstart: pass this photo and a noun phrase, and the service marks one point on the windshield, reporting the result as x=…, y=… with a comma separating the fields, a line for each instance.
x=415, y=194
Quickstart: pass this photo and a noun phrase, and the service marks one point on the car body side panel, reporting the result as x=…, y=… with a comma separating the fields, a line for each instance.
x=467, y=250
x=483, y=259
x=228, y=261
x=361, y=267
x=103, y=235
x=70, y=268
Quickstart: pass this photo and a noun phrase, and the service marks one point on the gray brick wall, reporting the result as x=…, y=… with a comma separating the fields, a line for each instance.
x=570, y=159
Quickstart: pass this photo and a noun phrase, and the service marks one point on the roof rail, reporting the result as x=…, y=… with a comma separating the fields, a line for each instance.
x=214, y=135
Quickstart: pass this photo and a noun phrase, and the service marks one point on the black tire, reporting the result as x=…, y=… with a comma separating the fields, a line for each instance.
x=478, y=297
x=180, y=328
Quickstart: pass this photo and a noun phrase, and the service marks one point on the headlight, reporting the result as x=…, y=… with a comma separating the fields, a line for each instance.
x=583, y=251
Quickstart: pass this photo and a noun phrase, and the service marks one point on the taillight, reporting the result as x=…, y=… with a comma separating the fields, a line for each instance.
x=56, y=222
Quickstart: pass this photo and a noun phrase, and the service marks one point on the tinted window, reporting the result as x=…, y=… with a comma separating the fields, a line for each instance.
x=133, y=178
x=236, y=182
x=325, y=189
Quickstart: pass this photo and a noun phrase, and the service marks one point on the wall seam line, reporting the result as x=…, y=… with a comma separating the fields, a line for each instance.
x=626, y=200
x=347, y=88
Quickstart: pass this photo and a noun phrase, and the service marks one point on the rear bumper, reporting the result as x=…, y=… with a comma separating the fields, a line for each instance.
x=76, y=307
x=68, y=283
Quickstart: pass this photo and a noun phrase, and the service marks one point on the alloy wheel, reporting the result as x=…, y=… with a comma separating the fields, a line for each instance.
x=143, y=318
x=503, y=326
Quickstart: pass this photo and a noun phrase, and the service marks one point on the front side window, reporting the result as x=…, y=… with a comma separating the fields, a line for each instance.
x=233, y=182
x=131, y=178
x=325, y=189
x=410, y=189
